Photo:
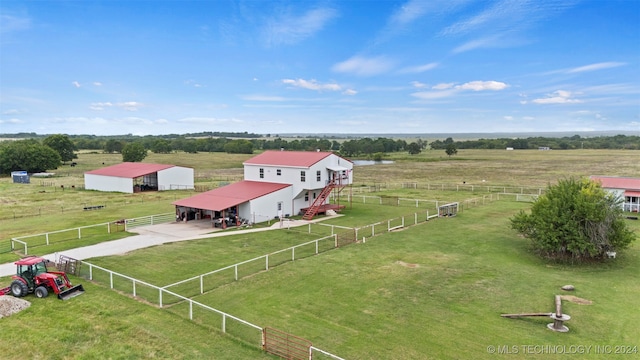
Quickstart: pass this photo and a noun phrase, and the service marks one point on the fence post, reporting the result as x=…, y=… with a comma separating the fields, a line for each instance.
x=236, y=271
x=293, y=253
x=224, y=322
x=79, y=233
x=134, y=288
x=47, y=237
x=266, y=261
x=201, y=284
x=160, y=296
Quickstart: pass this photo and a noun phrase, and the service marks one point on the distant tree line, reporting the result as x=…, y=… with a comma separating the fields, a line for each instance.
x=619, y=142
x=20, y=154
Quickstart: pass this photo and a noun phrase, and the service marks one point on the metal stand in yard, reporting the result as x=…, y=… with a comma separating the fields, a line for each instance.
x=558, y=317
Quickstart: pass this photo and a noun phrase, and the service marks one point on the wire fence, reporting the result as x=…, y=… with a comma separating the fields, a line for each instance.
x=377, y=187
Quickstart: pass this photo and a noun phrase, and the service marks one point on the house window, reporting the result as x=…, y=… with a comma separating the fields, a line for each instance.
x=306, y=196
x=303, y=176
x=261, y=173
x=318, y=175
x=278, y=172
x=314, y=195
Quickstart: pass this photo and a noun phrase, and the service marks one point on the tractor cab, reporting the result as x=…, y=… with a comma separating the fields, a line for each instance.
x=32, y=276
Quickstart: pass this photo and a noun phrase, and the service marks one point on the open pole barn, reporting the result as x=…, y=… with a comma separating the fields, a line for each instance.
x=131, y=177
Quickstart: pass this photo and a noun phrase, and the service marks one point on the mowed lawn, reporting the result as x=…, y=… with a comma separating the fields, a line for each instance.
x=436, y=291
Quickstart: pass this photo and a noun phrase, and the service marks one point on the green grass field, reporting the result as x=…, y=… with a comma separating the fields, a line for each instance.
x=432, y=291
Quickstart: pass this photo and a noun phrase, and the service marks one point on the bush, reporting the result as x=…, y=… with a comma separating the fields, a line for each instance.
x=575, y=219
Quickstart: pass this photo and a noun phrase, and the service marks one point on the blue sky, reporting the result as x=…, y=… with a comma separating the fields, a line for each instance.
x=275, y=67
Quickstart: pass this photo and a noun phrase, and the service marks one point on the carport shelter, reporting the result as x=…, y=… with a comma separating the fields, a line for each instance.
x=254, y=201
x=130, y=177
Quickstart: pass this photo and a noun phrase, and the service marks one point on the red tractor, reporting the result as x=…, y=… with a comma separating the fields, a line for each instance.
x=32, y=276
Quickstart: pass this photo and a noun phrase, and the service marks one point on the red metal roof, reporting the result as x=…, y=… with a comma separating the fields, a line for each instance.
x=231, y=195
x=612, y=182
x=129, y=170
x=632, y=193
x=288, y=158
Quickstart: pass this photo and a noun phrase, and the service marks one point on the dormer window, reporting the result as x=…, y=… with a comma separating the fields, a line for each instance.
x=261, y=173
x=278, y=172
x=303, y=176
x=318, y=176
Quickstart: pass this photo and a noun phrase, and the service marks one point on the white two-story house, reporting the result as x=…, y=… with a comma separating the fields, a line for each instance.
x=276, y=184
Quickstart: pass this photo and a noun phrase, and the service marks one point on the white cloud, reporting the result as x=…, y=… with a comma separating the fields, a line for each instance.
x=97, y=83
x=443, y=86
x=312, y=85
x=596, y=66
x=129, y=105
x=350, y=92
x=209, y=121
x=10, y=112
x=483, y=85
x=290, y=29
x=263, y=98
x=100, y=106
x=430, y=95
x=418, y=84
x=419, y=68
x=450, y=89
x=362, y=66
x=557, y=97
x=508, y=118
x=76, y=84
x=13, y=23
x=11, y=121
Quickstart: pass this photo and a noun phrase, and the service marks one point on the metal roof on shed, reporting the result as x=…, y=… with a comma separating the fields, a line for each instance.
x=623, y=183
x=231, y=195
x=129, y=170
x=288, y=158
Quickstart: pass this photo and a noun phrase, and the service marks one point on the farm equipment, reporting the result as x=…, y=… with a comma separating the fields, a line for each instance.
x=32, y=276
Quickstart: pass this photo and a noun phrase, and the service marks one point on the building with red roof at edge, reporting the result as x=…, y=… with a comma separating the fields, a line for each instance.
x=626, y=188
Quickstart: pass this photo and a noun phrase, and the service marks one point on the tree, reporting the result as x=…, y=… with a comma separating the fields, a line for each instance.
x=451, y=149
x=414, y=149
x=575, y=219
x=133, y=152
x=28, y=155
x=62, y=145
x=239, y=147
x=161, y=146
x=113, y=146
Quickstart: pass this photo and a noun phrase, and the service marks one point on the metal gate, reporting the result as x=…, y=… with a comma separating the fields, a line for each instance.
x=285, y=345
x=69, y=265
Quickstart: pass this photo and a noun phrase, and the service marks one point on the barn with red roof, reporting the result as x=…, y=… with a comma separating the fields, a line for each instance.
x=625, y=188
x=276, y=184
x=130, y=177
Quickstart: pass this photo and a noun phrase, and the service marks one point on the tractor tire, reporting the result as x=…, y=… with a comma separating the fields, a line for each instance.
x=19, y=288
x=41, y=292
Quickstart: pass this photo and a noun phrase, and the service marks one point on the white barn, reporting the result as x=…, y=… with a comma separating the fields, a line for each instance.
x=276, y=184
x=130, y=177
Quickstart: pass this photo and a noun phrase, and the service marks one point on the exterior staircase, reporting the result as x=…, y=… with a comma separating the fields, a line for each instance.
x=320, y=199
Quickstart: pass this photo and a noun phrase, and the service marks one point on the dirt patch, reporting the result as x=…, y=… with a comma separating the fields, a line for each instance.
x=10, y=305
x=412, y=266
x=576, y=300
